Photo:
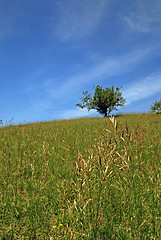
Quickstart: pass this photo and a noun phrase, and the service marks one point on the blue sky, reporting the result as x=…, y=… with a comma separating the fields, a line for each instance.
x=52, y=50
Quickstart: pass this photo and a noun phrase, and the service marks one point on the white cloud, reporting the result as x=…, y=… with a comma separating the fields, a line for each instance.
x=145, y=16
x=53, y=92
x=77, y=19
x=77, y=113
x=144, y=88
x=136, y=24
x=105, y=69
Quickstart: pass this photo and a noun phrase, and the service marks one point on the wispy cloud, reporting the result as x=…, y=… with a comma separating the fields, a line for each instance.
x=108, y=67
x=77, y=19
x=77, y=113
x=144, y=17
x=144, y=88
x=54, y=94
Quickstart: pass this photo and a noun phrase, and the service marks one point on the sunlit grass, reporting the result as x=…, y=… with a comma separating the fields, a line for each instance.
x=81, y=179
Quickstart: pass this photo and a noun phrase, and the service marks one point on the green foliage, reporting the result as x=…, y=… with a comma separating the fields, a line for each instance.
x=156, y=107
x=81, y=179
x=103, y=100
x=158, y=112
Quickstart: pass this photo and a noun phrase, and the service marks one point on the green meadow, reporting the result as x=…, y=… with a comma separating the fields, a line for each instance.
x=93, y=178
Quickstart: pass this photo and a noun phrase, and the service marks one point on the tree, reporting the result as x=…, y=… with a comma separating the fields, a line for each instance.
x=156, y=107
x=103, y=100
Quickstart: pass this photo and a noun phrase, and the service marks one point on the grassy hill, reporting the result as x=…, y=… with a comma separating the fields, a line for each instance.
x=82, y=179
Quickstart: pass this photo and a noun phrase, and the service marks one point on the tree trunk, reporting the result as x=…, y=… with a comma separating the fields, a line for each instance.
x=106, y=113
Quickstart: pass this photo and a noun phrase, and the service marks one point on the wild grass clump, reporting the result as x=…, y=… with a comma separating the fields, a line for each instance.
x=81, y=179
x=115, y=192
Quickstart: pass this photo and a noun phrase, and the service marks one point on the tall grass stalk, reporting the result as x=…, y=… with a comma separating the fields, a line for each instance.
x=112, y=195
x=81, y=179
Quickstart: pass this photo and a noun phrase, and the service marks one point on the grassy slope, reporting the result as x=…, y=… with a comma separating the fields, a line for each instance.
x=112, y=193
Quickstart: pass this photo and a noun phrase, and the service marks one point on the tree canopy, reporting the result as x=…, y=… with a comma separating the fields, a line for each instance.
x=103, y=100
x=156, y=107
